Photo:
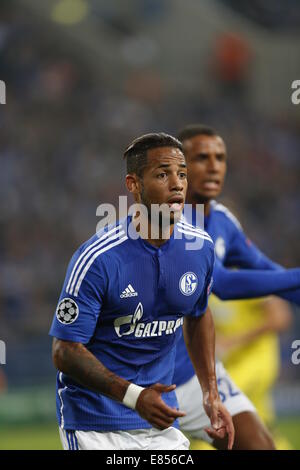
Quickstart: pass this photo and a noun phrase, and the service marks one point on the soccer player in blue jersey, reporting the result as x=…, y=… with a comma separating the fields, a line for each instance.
x=120, y=313
x=206, y=157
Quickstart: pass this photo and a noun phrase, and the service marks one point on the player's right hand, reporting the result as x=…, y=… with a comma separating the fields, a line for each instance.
x=151, y=406
x=220, y=418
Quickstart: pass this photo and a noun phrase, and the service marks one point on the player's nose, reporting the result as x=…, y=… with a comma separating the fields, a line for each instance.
x=213, y=165
x=176, y=183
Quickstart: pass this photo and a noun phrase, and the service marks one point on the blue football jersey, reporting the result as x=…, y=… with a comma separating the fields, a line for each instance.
x=232, y=248
x=125, y=300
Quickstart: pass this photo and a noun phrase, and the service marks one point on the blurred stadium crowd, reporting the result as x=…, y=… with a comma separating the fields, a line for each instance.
x=274, y=14
x=62, y=133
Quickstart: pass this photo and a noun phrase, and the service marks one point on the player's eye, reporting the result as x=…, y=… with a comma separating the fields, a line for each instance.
x=182, y=175
x=201, y=157
x=221, y=157
x=161, y=175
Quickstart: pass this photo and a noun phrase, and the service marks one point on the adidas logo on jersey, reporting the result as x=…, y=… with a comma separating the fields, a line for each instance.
x=128, y=292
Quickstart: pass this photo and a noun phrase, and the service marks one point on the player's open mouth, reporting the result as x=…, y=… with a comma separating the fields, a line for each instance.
x=211, y=184
x=176, y=203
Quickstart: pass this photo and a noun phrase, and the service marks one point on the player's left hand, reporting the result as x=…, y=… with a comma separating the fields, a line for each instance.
x=220, y=419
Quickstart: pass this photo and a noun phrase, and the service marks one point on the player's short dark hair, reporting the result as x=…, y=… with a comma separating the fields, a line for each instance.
x=136, y=152
x=195, y=129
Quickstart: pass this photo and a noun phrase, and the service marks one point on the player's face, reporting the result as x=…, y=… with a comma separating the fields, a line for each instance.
x=165, y=179
x=207, y=161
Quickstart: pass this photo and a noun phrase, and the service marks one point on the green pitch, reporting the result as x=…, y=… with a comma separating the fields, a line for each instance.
x=45, y=436
x=30, y=437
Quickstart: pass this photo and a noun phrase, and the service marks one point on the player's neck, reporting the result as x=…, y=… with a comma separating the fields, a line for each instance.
x=146, y=231
x=163, y=237
x=195, y=199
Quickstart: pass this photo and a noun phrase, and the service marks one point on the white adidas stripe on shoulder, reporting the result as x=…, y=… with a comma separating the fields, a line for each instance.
x=90, y=252
x=192, y=228
x=184, y=221
x=220, y=207
x=195, y=234
x=187, y=226
x=97, y=242
x=92, y=259
x=86, y=253
x=98, y=253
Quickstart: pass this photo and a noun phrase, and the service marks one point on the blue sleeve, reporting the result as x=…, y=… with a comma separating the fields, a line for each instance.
x=245, y=254
x=202, y=303
x=246, y=284
x=291, y=296
x=78, y=309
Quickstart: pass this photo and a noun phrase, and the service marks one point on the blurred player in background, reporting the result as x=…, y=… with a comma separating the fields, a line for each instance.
x=206, y=158
x=248, y=345
x=247, y=342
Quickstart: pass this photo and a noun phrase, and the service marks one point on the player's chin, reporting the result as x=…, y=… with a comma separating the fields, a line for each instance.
x=209, y=194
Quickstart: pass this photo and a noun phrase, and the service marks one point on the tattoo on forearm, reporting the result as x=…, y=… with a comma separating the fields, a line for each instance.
x=80, y=364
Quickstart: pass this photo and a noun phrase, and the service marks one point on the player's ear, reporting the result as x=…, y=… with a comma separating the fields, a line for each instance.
x=133, y=183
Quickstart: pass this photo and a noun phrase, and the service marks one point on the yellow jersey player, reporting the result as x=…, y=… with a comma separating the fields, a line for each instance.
x=248, y=344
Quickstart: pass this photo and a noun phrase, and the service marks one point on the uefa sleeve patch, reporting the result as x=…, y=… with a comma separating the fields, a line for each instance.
x=67, y=311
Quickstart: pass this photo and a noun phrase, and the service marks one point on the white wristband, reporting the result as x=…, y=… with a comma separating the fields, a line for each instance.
x=132, y=394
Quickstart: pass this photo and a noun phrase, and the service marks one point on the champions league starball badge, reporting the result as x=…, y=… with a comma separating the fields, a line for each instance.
x=67, y=311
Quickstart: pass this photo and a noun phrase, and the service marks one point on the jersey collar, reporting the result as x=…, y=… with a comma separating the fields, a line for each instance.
x=145, y=244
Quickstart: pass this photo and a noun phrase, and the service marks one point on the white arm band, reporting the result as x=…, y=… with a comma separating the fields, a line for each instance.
x=131, y=396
